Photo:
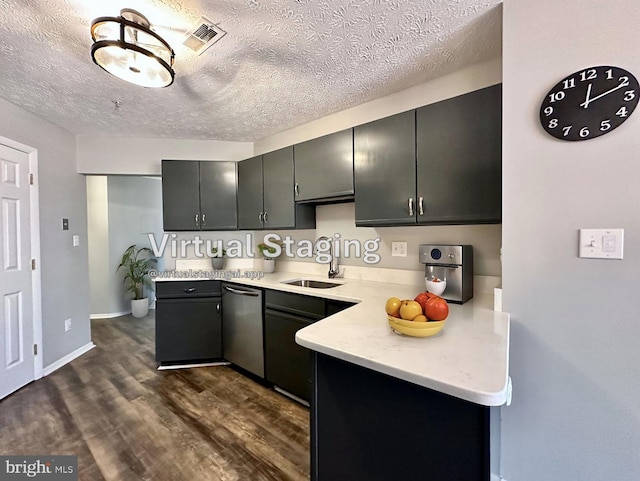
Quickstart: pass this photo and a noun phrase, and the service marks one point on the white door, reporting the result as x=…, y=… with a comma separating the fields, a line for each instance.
x=16, y=324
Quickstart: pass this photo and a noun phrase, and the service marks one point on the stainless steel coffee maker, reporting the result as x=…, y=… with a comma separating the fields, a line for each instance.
x=452, y=264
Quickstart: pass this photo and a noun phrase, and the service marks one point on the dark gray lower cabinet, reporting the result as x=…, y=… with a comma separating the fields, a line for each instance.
x=188, y=330
x=287, y=364
x=369, y=426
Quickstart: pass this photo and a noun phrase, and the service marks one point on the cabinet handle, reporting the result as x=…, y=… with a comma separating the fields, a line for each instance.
x=204, y=219
x=264, y=218
x=197, y=219
x=189, y=290
x=411, y=206
x=421, y=206
x=218, y=308
x=260, y=218
x=297, y=189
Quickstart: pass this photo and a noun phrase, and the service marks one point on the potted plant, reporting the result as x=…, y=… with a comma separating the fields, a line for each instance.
x=217, y=258
x=136, y=264
x=268, y=257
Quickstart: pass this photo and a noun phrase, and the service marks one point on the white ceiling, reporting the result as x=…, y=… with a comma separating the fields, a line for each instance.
x=282, y=62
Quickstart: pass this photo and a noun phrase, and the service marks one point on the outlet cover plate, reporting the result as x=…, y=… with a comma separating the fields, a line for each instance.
x=399, y=249
x=601, y=243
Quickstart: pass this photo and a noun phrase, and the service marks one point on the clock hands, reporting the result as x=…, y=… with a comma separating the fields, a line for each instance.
x=588, y=100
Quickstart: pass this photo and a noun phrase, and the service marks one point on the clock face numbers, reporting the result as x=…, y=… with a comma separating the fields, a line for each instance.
x=589, y=103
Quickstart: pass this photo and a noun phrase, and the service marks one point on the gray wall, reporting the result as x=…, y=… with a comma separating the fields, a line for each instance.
x=135, y=209
x=65, y=278
x=123, y=209
x=575, y=345
x=98, y=244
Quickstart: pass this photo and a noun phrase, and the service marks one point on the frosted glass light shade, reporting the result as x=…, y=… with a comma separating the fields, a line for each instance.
x=126, y=47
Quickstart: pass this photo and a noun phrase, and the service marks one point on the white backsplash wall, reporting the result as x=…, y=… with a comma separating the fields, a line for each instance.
x=340, y=219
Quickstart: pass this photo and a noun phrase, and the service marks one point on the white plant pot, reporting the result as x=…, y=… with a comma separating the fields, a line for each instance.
x=139, y=307
x=268, y=265
x=217, y=262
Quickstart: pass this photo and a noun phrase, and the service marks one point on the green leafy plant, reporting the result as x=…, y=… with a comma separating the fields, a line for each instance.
x=214, y=252
x=136, y=263
x=268, y=252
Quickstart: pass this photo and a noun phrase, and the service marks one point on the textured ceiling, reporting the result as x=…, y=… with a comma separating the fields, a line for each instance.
x=282, y=62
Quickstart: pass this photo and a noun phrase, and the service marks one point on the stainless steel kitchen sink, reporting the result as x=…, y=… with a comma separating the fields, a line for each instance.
x=313, y=283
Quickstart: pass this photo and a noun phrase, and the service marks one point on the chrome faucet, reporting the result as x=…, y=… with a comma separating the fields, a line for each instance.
x=334, y=268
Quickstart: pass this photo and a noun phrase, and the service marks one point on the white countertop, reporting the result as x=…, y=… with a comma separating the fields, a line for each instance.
x=468, y=359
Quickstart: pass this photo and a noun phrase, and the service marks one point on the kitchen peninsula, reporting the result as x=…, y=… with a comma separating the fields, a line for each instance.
x=384, y=403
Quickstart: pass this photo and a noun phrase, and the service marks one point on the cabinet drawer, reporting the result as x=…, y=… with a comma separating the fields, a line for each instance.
x=312, y=307
x=186, y=289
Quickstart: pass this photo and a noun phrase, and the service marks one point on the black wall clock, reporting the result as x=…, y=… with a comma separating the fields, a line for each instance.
x=589, y=103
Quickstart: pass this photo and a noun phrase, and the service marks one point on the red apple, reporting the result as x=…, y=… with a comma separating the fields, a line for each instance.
x=436, y=309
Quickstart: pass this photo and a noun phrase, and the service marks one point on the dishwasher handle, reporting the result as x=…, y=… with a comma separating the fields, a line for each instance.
x=241, y=292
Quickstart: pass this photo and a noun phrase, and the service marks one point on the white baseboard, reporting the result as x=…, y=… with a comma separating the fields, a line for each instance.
x=495, y=477
x=67, y=359
x=109, y=315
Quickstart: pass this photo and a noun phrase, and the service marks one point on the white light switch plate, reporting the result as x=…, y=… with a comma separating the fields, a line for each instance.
x=601, y=243
x=399, y=249
x=76, y=240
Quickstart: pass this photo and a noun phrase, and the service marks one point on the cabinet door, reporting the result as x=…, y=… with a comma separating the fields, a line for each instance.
x=250, y=193
x=460, y=158
x=288, y=365
x=279, y=201
x=324, y=167
x=188, y=329
x=385, y=171
x=359, y=415
x=218, y=186
x=180, y=195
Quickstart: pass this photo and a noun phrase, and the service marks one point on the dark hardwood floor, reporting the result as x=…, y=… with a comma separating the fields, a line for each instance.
x=127, y=421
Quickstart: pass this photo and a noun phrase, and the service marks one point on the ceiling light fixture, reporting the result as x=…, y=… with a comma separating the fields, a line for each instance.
x=126, y=47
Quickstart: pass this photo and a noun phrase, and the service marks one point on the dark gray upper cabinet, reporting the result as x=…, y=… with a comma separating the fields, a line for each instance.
x=250, y=195
x=266, y=194
x=439, y=164
x=280, y=209
x=198, y=195
x=218, y=186
x=385, y=171
x=180, y=195
x=459, y=159
x=324, y=168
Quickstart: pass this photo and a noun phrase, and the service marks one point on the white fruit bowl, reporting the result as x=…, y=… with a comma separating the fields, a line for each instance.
x=435, y=287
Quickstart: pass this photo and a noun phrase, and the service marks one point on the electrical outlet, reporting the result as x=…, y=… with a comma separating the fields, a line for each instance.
x=601, y=243
x=399, y=248
x=67, y=325
x=76, y=240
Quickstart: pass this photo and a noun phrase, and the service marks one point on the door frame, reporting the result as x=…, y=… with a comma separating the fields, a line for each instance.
x=36, y=277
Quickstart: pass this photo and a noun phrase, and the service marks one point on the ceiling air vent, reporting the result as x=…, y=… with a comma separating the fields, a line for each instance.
x=202, y=35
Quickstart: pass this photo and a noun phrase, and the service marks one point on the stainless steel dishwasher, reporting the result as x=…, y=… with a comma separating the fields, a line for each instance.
x=242, y=331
